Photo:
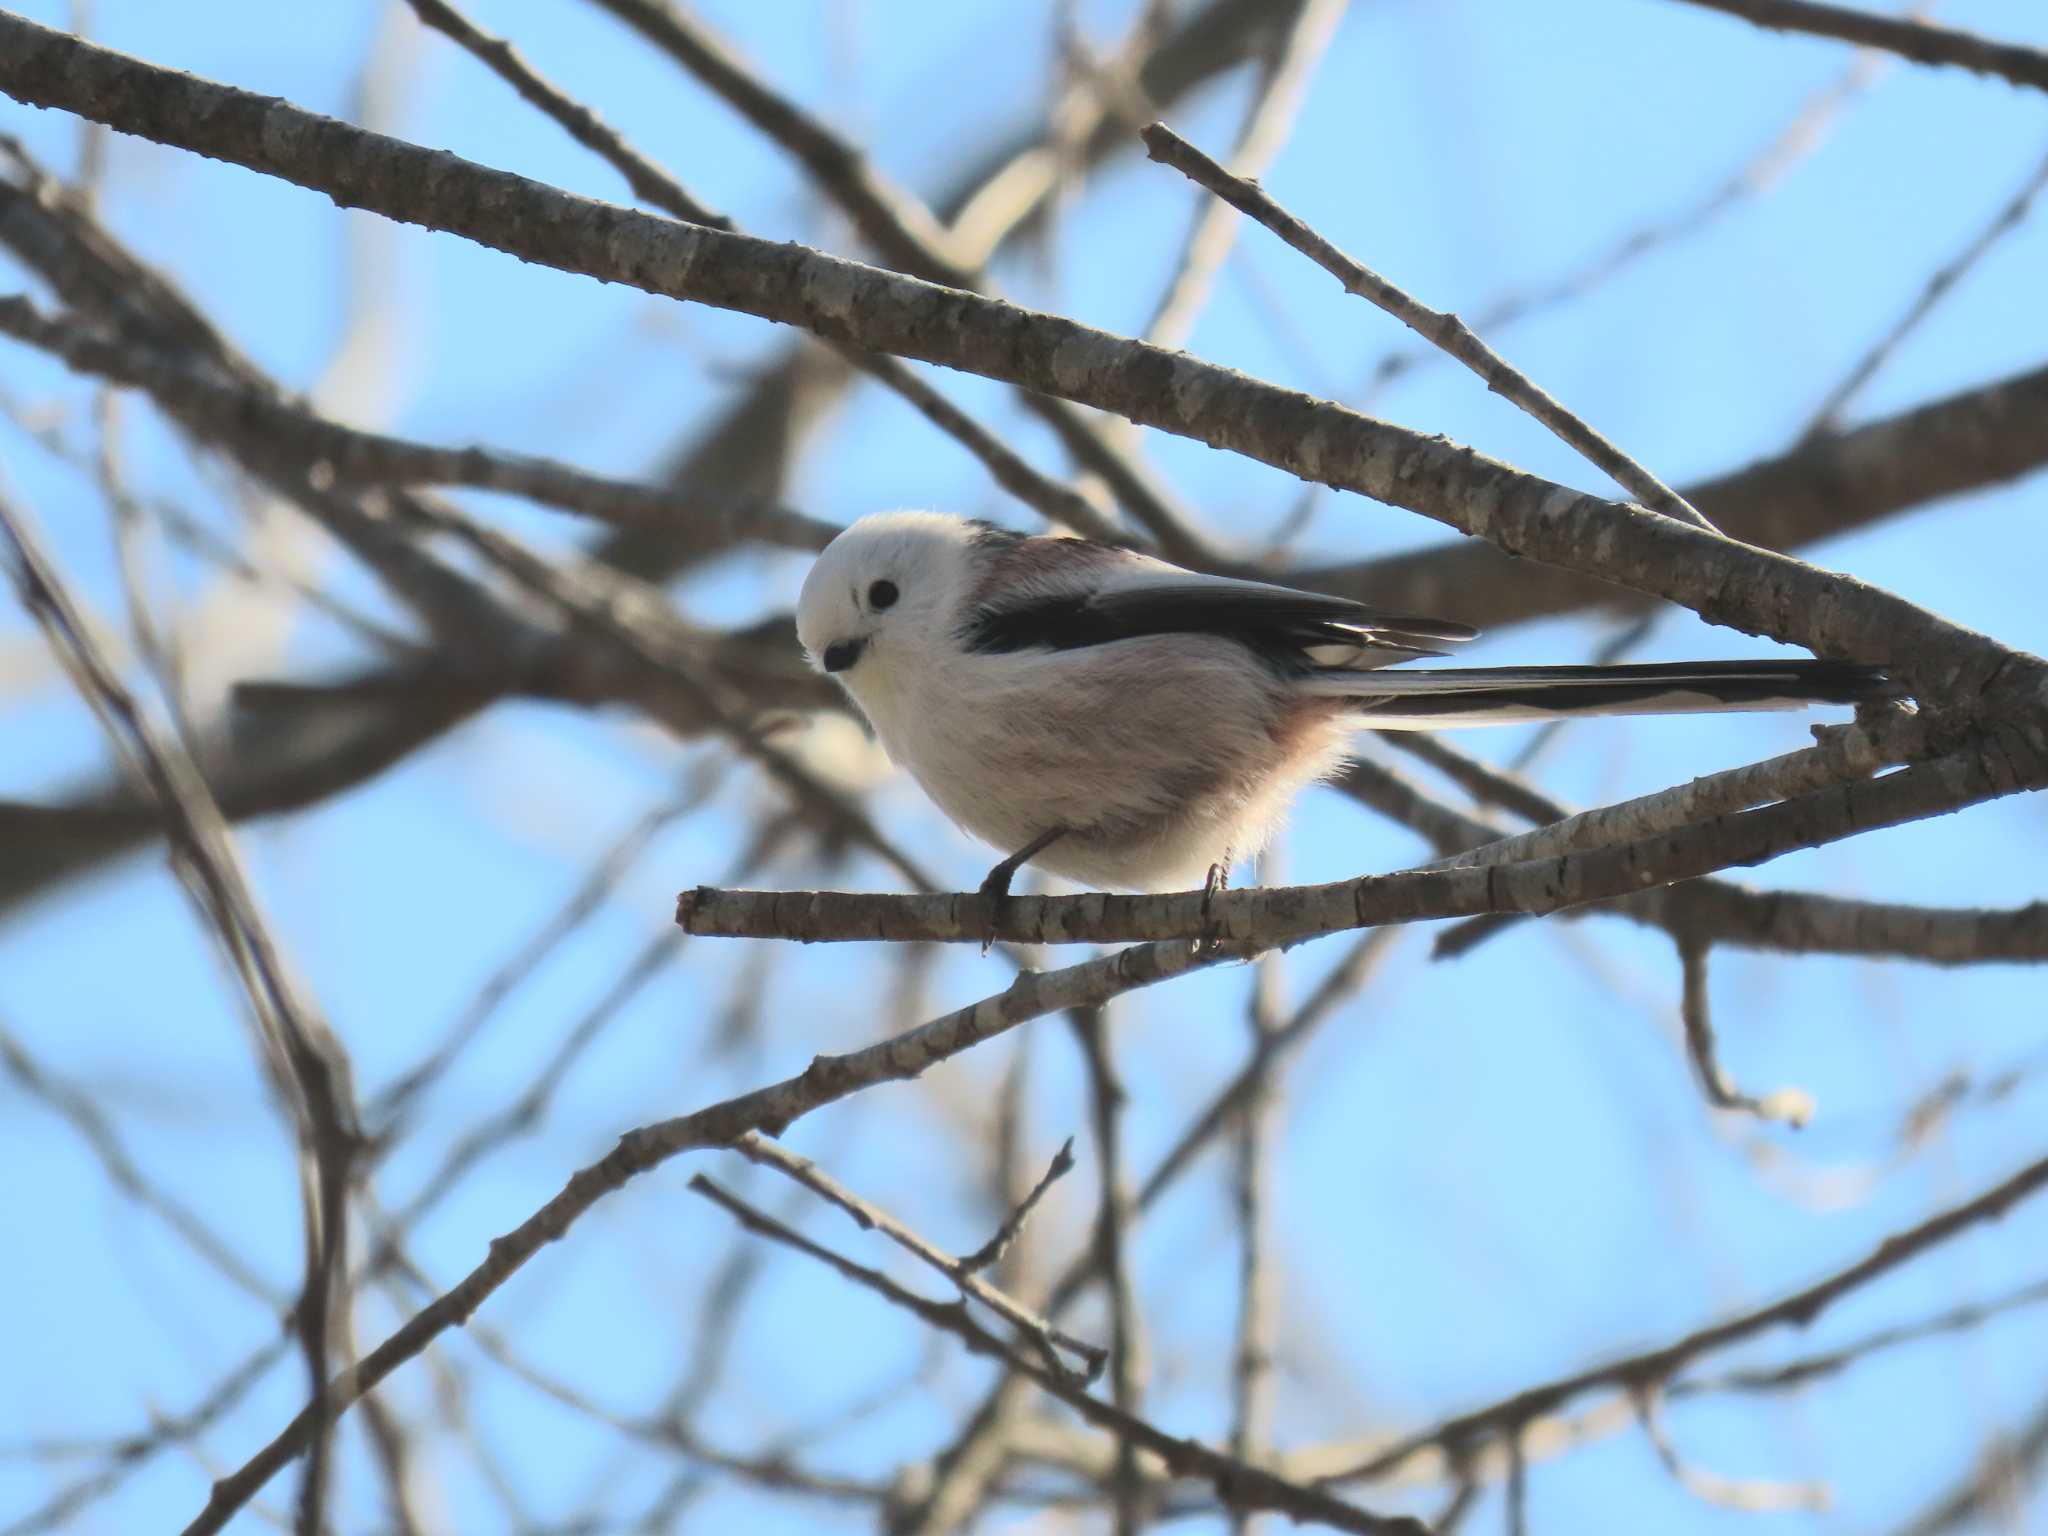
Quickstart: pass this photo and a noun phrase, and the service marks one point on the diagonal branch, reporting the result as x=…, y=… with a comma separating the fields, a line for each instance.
x=1267, y=123
x=1921, y=41
x=238, y=416
x=771, y=1109
x=907, y=234
x=1445, y=330
x=650, y=182
x=1652, y=1367
x=2008, y=218
x=1987, y=435
x=1047, y=1338
x=844, y=301
x=1237, y=1484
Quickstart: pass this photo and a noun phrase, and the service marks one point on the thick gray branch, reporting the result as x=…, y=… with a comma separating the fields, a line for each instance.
x=1260, y=919
x=845, y=301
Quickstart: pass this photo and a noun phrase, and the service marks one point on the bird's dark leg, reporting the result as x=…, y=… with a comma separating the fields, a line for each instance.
x=1217, y=883
x=996, y=886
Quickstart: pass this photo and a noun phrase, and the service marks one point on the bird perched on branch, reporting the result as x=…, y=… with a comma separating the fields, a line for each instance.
x=1124, y=722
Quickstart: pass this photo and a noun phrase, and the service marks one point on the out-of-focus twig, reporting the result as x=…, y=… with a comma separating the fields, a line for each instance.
x=1112, y=1244
x=1636, y=1372
x=1267, y=123
x=2008, y=218
x=309, y=1066
x=911, y=238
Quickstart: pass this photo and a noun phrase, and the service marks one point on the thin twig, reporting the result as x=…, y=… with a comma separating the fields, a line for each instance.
x=1486, y=786
x=1654, y=1366
x=128, y=1453
x=650, y=183
x=1748, y=1495
x=772, y=1109
x=1802, y=134
x=127, y=1175
x=308, y=1060
x=1043, y=1335
x=1804, y=1370
x=1788, y=1106
x=1268, y=120
x=991, y=1252
x=1439, y=327
x=1237, y=1485
x=1113, y=1262
x=1251, y=1406
x=2008, y=218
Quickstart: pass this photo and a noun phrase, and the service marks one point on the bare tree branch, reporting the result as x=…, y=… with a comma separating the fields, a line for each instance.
x=1921, y=41
x=1262, y=919
x=650, y=183
x=1236, y=1484
x=308, y=1062
x=1047, y=1338
x=772, y=1109
x=1266, y=126
x=1444, y=330
x=2009, y=217
x=1725, y=583
x=254, y=424
x=1649, y=1368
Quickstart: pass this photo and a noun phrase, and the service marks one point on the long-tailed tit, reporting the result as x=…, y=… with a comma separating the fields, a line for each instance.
x=1124, y=722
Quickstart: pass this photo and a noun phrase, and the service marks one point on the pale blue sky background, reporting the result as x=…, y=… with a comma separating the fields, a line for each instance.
x=1490, y=1172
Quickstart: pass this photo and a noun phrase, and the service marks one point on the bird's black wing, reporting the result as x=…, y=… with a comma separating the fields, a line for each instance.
x=1133, y=603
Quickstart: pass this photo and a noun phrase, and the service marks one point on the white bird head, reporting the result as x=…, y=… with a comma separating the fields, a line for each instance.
x=878, y=592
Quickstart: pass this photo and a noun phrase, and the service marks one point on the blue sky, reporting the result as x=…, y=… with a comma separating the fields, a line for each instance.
x=1489, y=1172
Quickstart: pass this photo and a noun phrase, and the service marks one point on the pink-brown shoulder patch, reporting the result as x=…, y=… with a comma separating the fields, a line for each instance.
x=1018, y=564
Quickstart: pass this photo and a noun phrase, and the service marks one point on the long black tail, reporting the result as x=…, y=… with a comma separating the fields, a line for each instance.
x=1438, y=698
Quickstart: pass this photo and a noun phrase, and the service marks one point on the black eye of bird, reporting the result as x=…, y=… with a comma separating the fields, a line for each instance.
x=881, y=595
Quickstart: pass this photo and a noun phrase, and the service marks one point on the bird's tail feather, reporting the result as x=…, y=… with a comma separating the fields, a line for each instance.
x=1436, y=698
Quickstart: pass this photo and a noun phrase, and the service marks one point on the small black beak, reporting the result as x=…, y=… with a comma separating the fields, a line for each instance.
x=841, y=654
